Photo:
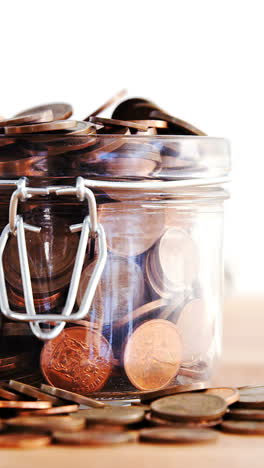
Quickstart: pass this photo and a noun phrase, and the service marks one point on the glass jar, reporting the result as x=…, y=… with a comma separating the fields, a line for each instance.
x=111, y=260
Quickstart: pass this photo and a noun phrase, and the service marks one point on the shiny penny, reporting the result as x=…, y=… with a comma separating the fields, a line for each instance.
x=25, y=404
x=247, y=414
x=33, y=392
x=177, y=435
x=94, y=437
x=42, y=127
x=120, y=415
x=71, y=396
x=48, y=423
x=229, y=394
x=119, y=123
x=7, y=395
x=190, y=407
x=150, y=396
x=243, y=427
x=153, y=355
x=38, y=117
x=24, y=440
x=60, y=110
x=79, y=360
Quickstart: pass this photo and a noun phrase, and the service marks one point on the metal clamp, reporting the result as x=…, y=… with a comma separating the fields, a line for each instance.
x=89, y=227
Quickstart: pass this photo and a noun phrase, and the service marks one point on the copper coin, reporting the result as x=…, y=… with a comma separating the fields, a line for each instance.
x=33, y=392
x=157, y=421
x=135, y=108
x=251, y=397
x=179, y=435
x=153, y=355
x=119, y=123
x=142, y=311
x=230, y=395
x=61, y=110
x=190, y=407
x=94, y=437
x=153, y=123
x=120, y=415
x=243, y=427
x=23, y=440
x=16, y=329
x=55, y=410
x=7, y=395
x=150, y=396
x=42, y=127
x=108, y=103
x=139, y=226
x=178, y=126
x=48, y=423
x=123, y=281
x=82, y=128
x=196, y=340
x=71, y=396
x=78, y=360
x=247, y=414
x=25, y=404
x=38, y=117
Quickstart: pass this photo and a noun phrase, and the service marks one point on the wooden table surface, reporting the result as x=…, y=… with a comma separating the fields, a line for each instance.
x=242, y=364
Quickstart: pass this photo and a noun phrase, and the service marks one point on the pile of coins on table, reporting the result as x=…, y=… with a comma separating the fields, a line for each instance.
x=33, y=417
x=150, y=325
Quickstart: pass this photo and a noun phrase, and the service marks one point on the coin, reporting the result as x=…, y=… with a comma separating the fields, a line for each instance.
x=71, y=396
x=130, y=239
x=123, y=281
x=177, y=435
x=158, y=421
x=153, y=355
x=116, y=415
x=93, y=437
x=7, y=395
x=196, y=370
x=119, y=123
x=16, y=329
x=243, y=427
x=134, y=109
x=64, y=409
x=25, y=404
x=230, y=395
x=33, y=392
x=61, y=110
x=45, y=116
x=23, y=440
x=150, y=396
x=251, y=397
x=177, y=126
x=247, y=414
x=48, y=423
x=42, y=127
x=108, y=103
x=189, y=407
x=142, y=311
x=153, y=123
x=82, y=128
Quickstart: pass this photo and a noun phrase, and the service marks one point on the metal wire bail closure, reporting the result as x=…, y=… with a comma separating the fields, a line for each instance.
x=88, y=227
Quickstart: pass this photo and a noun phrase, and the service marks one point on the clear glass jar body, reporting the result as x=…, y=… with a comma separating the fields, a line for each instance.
x=155, y=319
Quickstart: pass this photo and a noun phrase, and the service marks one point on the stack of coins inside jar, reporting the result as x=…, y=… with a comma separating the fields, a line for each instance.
x=154, y=319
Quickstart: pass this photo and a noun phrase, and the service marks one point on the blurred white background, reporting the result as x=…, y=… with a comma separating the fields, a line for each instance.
x=199, y=60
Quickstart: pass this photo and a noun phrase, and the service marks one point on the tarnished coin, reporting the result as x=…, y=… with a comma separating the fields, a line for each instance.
x=251, y=397
x=60, y=110
x=25, y=404
x=48, y=423
x=70, y=396
x=38, y=117
x=247, y=414
x=177, y=126
x=153, y=355
x=196, y=340
x=55, y=410
x=33, y=392
x=79, y=360
x=150, y=396
x=42, y=127
x=123, y=281
x=153, y=123
x=177, y=435
x=158, y=421
x=116, y=415
x=7, y=395
x=108, y=103
x=94, y=437
x=130, y=239
x=243, y=427
x=190, y=407
x=134, y=109
x=119, y=123
x=23, y=440
x=229, y=394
